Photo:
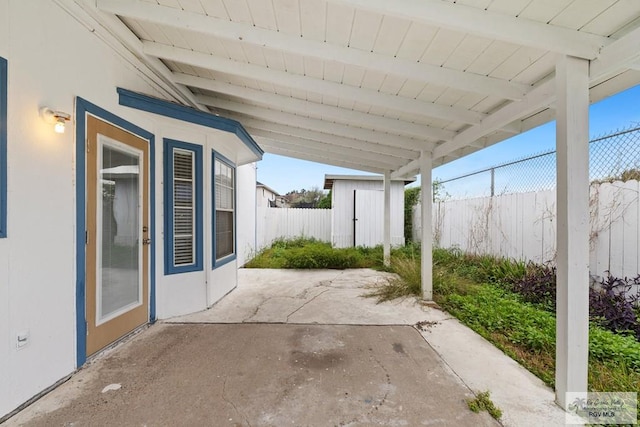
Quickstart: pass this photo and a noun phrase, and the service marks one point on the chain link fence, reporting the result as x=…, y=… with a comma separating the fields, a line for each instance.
x=613, y=156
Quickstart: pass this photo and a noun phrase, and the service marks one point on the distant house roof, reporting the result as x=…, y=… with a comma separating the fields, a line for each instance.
x=329, y=179
x=266, y=187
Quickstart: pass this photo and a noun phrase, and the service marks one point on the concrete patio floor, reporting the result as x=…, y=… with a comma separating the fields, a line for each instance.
x=300, y=348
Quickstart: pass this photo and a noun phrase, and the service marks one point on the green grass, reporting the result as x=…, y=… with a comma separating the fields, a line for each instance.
x=305, y=253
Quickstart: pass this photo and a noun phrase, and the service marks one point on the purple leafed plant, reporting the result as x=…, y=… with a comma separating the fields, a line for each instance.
x=613, y=304
x=538, y=285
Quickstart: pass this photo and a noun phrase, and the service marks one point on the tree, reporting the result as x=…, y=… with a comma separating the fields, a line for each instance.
x=304, y=198
x=325, y=201
x=411, y=198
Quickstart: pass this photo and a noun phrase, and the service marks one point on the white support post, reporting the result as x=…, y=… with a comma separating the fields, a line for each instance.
x=572, y=301
x=387, y=219
x=426, y=164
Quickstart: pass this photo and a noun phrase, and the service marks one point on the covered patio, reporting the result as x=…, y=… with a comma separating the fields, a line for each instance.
x=398, y=88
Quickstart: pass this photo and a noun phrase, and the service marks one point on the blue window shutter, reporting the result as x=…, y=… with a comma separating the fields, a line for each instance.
x=183, y=207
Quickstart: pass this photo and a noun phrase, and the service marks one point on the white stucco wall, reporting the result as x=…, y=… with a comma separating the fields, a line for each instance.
x=246, y=213
x=37, y=259
x=184, y=293
x=5, y=341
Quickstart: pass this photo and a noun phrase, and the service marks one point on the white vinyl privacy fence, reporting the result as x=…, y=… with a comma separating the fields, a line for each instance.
x=276, y=223
x=523, y=226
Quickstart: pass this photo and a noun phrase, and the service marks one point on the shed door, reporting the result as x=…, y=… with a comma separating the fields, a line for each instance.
x=368, y=217
x=117, y=282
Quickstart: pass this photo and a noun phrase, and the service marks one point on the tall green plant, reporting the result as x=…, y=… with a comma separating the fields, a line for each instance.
x=411, y=197
x=325, y=201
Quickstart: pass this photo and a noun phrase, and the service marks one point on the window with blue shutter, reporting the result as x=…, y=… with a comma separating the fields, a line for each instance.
x=183, y=207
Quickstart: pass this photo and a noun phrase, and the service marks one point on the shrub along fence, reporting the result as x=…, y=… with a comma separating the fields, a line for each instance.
x=288, y=223
x=522, y=226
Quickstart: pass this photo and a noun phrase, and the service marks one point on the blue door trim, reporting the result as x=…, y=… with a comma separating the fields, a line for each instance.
x=3, y=147
x=84, y=108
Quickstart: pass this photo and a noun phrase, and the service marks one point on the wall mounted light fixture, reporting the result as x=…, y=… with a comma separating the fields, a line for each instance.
x=57, y=118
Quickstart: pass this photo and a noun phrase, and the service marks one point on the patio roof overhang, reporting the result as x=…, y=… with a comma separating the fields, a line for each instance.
x=397, y=87
x=369, y=84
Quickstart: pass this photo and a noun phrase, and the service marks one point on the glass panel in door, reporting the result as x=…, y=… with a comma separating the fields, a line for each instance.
x=119, y=278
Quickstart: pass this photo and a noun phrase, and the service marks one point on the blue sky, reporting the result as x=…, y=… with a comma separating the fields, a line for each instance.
x=284, y=174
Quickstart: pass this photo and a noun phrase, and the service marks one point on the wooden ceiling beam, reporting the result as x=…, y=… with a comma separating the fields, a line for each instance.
x=263, y=38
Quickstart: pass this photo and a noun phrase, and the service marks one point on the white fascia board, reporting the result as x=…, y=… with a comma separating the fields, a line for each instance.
x=333, y=178
x=228, y=30
x=484, y=23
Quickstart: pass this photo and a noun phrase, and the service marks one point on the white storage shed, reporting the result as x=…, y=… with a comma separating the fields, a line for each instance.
x=357, y=216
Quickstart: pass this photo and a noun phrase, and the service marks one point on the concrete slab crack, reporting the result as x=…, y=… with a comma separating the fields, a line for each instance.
x=303, y=305
x=302, y=295
x=235, y=408
x=388, y=378
x=329, y=283
x=259, y=306
x=256, y=310
x=305, y=293
x=377, y=405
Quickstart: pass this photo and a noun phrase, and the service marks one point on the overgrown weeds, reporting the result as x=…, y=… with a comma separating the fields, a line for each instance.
x=483, y=402
x=406, y=283
x=612, y=303
x=309, y=253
